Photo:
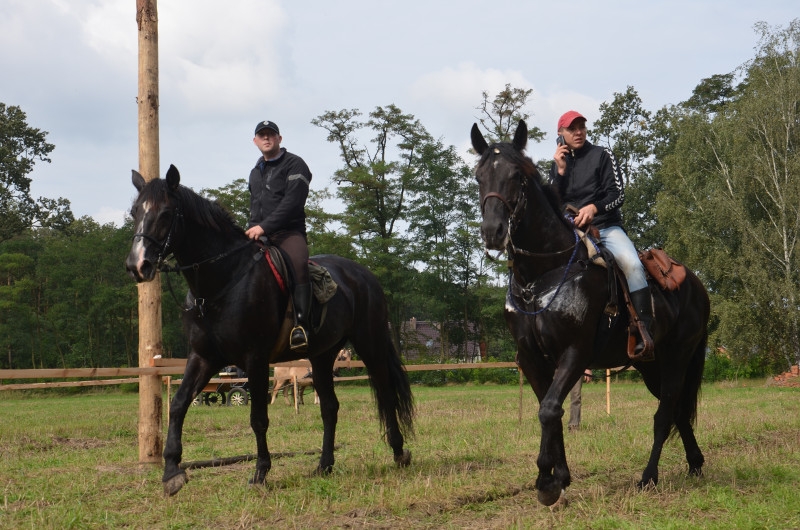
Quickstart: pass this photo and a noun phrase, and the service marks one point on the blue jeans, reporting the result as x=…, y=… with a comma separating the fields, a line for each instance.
x=617, y=242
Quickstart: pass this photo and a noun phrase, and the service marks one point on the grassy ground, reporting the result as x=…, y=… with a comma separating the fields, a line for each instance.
x=71, y=462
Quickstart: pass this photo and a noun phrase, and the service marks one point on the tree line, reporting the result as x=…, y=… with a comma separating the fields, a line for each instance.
x=712, y=179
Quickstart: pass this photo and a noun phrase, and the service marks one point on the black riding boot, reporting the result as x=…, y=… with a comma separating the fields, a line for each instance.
x=298, y=340
x=641, y=300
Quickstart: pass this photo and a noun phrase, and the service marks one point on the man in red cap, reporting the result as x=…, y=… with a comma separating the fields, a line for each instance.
x=278, y=191
x=589, y=179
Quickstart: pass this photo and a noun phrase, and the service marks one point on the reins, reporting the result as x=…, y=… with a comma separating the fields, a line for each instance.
x=567, y=267
x=199, y=303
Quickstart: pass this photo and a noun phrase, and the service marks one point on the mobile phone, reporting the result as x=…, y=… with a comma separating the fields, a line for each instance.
x=560, y=140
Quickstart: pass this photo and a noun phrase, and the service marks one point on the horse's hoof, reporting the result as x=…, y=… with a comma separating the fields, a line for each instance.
x=403, y=460
x=550, y=497
x=174, y=484
x=561, y=503
x=258, y=479
x=321, y=471
x=645, y=485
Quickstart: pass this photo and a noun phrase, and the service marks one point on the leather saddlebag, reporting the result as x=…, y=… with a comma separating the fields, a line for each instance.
x=668, y=273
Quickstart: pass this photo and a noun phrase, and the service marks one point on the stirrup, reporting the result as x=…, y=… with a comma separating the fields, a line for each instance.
x=648, y=351
x=298, y=346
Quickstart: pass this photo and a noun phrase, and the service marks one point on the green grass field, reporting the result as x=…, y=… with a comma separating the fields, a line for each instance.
x=70, y=461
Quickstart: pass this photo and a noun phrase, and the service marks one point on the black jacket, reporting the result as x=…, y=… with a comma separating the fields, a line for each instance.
x=278, y=193
x=592, y=177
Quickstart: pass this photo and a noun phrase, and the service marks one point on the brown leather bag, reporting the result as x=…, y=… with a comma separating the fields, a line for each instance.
x=668, y=273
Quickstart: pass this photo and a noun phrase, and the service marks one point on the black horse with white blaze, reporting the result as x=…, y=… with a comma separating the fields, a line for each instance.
x=555, y=311
x=237, y=314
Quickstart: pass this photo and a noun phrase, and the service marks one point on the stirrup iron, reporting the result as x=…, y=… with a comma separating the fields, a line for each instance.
x=295, y=346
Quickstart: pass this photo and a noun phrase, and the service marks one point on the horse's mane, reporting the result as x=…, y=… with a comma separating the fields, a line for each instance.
x=530, y=172
x=196, y=209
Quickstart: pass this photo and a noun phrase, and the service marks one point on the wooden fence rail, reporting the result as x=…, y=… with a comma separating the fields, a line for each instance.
x=170, y=367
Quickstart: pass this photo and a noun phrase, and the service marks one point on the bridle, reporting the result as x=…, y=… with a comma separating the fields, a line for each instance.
x=512, y=250
x=164, y=246
x=513, y=221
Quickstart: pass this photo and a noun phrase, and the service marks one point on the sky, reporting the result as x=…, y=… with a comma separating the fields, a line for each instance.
x=71, y=66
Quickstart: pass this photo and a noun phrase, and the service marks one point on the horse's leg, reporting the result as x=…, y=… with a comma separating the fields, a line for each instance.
x=668, y=395
x=257, y=379
x=694, y=456
x=687, y=409
x=322, y=376
x=197, y=374
x=286, y=389
x=278, y=385
x=554, y=476
x=539, y=378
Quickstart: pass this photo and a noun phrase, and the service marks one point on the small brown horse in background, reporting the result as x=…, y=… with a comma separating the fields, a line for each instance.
x=285, y=377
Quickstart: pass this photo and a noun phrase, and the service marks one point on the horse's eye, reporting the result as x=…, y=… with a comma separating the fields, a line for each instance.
x=165, y=216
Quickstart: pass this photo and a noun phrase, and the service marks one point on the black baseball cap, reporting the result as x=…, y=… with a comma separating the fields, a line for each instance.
x=266, y=124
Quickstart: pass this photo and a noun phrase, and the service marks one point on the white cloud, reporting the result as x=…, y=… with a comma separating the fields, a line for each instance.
x=227, y=59
x=455, y=88
x=110, y=28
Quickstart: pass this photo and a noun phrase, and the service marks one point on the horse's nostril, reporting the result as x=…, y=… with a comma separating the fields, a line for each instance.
x=494, y=235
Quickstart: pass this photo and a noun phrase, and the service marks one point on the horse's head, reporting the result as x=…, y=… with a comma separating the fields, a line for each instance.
x=502, y=173
x=156, y=212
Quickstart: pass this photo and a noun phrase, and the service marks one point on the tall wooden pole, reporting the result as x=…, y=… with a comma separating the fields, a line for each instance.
x=150, y=345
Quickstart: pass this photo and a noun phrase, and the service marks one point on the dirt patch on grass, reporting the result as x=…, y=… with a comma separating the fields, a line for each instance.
x=34, y=445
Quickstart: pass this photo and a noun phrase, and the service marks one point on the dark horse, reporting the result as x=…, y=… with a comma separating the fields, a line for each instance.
x=555, y=311
x=237, y=314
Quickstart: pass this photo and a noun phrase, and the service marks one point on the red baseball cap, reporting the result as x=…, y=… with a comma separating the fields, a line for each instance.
x=568, y=117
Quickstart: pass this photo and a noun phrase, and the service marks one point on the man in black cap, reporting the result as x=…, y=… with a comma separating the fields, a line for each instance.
x=279, y=185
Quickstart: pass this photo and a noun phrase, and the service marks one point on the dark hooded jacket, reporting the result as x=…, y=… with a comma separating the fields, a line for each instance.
x=592, y=177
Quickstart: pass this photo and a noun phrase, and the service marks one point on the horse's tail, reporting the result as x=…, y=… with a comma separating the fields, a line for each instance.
x=694, y=378
x=394, y=397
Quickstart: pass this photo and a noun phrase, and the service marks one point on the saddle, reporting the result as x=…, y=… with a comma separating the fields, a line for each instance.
x=323, y=285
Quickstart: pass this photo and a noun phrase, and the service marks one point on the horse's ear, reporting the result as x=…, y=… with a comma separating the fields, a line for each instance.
x=173, y=177
x=521, y=136
x=478, y=142
x=138, y=180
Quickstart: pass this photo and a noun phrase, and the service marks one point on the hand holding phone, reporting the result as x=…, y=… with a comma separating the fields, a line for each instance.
x=561, y=154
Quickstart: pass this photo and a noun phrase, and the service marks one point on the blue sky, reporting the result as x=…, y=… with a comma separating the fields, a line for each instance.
x=71, y=65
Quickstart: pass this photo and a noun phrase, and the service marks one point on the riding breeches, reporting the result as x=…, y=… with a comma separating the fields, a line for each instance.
x=295, y=246
x=617, y=242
